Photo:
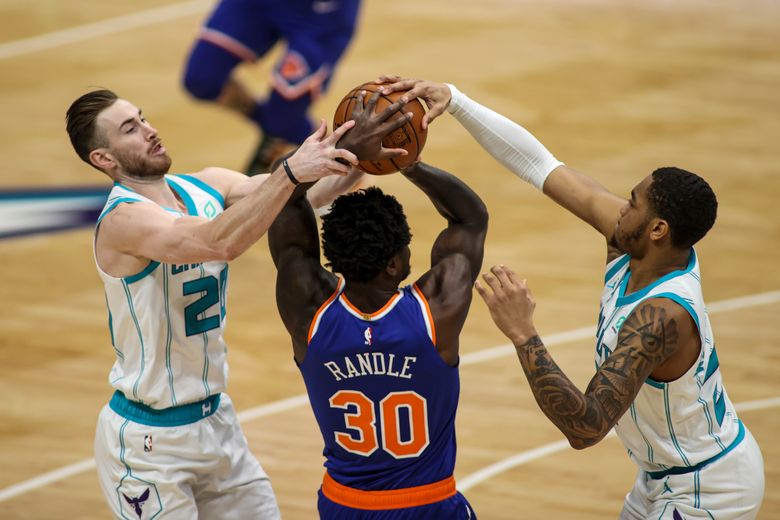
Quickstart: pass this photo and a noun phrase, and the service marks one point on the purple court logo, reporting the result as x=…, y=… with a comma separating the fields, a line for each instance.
x=32, y=211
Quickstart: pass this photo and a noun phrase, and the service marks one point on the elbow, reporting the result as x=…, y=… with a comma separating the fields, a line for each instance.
x=478, y=216
x=580, y=442
x=230, y=253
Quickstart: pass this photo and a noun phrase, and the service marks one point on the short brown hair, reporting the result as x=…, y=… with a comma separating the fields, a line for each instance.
x=80, y=121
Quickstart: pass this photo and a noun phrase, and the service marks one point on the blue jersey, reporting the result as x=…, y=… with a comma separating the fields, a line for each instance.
x=384, y=399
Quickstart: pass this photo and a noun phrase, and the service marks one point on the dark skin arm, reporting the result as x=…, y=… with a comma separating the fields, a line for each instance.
x=302, y=284
x=456, y=256
x=656, y=331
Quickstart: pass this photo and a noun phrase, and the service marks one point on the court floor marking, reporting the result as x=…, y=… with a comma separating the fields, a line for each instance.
x=469, y=481
x=53, y=39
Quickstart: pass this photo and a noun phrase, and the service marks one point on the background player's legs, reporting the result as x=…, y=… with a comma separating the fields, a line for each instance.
x=315, y=43
x=237, y=31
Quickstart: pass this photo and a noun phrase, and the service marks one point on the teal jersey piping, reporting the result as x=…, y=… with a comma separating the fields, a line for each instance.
x=205, y=187
x=192, y=209
x=140, y=337
x=169, y=335
x=624, y=299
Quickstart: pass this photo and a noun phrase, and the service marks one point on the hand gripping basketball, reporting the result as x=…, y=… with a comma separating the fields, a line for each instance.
x=401, y=128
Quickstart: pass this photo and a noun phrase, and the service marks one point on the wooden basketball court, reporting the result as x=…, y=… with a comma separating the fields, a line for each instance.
x=614, y=89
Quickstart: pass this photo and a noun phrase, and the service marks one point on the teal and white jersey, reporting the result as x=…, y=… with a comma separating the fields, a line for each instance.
x=688, y=421
x=167, y=321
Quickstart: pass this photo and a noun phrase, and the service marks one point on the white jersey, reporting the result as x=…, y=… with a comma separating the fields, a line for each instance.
x=167, y=321
x=670, y=427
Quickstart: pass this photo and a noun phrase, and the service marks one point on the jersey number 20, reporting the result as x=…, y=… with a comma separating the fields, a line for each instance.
x=212, y=292
x=364, y=437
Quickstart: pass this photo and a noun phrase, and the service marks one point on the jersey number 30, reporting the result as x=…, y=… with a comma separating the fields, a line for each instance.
x=360, y=414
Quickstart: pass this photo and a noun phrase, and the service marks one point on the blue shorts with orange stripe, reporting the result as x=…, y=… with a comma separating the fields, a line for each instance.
x=437, y=500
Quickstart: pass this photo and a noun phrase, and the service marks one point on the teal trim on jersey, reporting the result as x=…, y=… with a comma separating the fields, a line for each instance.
x=168, y=336
x=140, y=337
x=671, y=428
x=114, y=204
x=206, y=345
x=680, y=470
x=192, y=209
x=710, y=425
x=617, y=266
x=118, y=352
x=720, y=405
x=624, y=299
x=712, y=365
x=149, y=268
x=655, y=384
x=165, y=417
x=696, y=489
x=205, y=187
x=682, y=303
x=636, y=423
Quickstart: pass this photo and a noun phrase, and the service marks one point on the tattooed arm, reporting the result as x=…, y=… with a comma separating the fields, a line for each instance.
x=658, y=337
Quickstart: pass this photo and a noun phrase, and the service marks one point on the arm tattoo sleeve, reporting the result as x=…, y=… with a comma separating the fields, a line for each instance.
x=647, y=338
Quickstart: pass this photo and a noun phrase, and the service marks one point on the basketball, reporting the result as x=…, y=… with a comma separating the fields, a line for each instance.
x=411, y=137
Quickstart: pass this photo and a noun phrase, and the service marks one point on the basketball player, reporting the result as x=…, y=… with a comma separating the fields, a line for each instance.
x=380, y=363
x=316, y=34
x=658, y=380
x=168, y=445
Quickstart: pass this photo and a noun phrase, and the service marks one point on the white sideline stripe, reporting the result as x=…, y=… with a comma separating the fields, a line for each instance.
x=469, y=481
x=79, y=33
x=467, y=359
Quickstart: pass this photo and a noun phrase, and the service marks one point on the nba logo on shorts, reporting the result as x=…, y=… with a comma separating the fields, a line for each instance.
x=367, y=335
x=148, y=443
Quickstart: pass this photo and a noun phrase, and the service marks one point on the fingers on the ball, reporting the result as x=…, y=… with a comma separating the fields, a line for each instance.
x=341, y=130
x=398, y=122
x=351, y=158
x=390, y=153
x=372, y=99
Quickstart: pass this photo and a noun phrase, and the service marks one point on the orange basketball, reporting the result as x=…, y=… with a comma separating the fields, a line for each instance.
x=411, y=137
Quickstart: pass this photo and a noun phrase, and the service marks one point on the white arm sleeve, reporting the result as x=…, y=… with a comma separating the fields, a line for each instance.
x=511, y=144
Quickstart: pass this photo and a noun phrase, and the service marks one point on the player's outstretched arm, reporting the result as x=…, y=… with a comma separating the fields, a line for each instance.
x=456, y=255
x=302, y=284
x=652, y=334
x=519, y=151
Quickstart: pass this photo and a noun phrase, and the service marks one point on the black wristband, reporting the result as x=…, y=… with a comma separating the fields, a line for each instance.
x=289, y=173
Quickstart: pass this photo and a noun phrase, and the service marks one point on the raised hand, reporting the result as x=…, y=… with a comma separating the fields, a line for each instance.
x=365, y=139
x=319, y=157
x=437, y=96
x=510, y=302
